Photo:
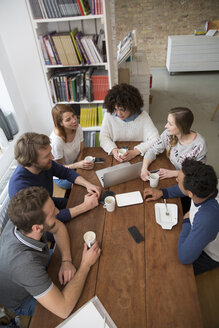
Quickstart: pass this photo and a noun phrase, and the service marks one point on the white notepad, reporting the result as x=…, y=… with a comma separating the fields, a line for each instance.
x=92, y=315
x=129, y=198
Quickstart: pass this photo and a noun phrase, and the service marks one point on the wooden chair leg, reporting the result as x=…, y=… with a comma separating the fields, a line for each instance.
x=213, y=115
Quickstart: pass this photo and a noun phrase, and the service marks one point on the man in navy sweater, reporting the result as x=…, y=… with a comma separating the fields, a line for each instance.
x=37, y=168
x=199, y=238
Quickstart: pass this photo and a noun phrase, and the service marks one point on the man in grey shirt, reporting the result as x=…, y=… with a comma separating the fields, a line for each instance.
x=24, y=255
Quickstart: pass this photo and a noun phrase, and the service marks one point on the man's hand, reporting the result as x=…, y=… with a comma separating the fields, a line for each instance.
x=91, y=255
x=94, y=189
x=186, y=215
x=66, y=272
x=152, y=194
x=130, y=154
x=91, y=201
x=165, y=174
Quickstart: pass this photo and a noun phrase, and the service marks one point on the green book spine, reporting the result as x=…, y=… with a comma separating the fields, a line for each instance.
x=73, y=85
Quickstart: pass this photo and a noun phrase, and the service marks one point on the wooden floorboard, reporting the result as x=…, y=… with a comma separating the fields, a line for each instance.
x=208, y=291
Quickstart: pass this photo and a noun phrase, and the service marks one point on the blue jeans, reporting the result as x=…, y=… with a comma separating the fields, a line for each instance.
x=204, y=263
x=28, y=306
x=65, y=184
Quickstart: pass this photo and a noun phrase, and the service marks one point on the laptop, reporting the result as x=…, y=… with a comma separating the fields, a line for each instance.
x=100, y=173
x=120, y=173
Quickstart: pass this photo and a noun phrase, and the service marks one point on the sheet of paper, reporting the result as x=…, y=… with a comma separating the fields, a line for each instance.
x=88, y=316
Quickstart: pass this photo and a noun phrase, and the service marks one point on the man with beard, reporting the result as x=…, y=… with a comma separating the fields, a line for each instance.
x=37, y=168
x=24, y=255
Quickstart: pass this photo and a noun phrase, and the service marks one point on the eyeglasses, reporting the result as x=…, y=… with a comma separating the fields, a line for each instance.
x=121, y=109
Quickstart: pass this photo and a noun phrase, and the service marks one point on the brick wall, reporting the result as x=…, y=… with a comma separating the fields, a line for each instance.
x=154, y=20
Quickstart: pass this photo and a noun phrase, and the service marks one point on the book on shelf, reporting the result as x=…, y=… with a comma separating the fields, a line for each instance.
x=69, y=49
x=125, y=48
x=80, y=7
x=49, y=49
x=77, y=48
x=85, y=7
x=54, y=50
x=88, y=84
x=87, y=49
x=78, y=37
x=44, y=51
x=100, y=84
x=58, y=44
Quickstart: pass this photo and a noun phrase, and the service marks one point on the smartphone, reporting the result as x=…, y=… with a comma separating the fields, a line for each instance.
x=155, y=171
x=99, y=160
x=107, y=193
x=134, y=232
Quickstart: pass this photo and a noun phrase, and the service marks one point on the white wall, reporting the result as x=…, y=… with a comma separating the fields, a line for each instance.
x=21, y=117
x=22, y=53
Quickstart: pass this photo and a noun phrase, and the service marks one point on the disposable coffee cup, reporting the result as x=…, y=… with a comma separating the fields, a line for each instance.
x=89, y=159
x=109, y=203
x=154, y=179
x=122, y=151
x=90, y=238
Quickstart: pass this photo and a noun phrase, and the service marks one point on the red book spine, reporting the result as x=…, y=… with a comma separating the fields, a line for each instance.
x=80, y=7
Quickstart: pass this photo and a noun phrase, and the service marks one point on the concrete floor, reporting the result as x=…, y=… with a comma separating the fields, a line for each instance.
x=197, y=91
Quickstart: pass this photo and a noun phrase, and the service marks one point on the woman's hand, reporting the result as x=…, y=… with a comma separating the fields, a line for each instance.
x=130, y=154
x=144, y=174
x=82, y=165
x=165, y=174
x=116, y=155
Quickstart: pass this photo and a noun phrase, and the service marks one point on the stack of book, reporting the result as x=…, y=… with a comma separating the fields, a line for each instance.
x=124, y=49
x=73, y=85
x=100, y=84
x=97, y=7
x=72, y=49
x=91, y=116
x=43, y=9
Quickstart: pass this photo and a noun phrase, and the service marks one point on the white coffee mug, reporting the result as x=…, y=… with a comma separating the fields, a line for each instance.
x=109, y=203
x=154, y=179
x=89, y=159
x=122, y=151
x=90, y=238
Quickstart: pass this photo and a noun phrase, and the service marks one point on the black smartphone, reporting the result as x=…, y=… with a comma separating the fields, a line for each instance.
x=107, y=193
x=155, y=171
x=134, y=232
x=99, y=160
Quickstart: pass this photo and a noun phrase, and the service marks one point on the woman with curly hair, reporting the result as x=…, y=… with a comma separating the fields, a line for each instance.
x=67, y=141
x=126, y=121
x=179, y=141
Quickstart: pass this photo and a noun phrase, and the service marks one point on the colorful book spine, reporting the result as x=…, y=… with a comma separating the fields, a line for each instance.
x=85, y=6
x=78, y=37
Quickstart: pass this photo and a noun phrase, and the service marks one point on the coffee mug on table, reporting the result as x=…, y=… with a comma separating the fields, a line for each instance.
x=122, y=151
x=89, y=159
x=109, y=203
x=154, y=179
x=90, y=238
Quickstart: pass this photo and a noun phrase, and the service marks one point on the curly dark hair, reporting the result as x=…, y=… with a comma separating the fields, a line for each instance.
x=199, y=178
x=126, y=96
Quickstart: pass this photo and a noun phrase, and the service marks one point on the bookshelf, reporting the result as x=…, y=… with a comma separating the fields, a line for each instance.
x=91, y=24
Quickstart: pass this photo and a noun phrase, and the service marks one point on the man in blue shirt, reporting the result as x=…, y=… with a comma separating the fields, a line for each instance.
x=37, y=168
x=199, y=238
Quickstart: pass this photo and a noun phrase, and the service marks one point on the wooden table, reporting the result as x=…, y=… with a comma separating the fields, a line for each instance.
x=140, y=285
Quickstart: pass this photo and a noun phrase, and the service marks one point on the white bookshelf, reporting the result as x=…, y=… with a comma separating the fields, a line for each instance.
x=90, y=24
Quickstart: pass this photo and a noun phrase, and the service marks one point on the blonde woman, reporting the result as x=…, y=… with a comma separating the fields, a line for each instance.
x=67, y=141
x=179, y=141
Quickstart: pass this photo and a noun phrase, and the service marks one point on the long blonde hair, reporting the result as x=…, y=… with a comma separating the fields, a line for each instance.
x=183, y=119
x=57, y=114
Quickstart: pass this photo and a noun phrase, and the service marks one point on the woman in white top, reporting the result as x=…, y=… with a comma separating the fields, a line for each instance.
x=125, y=121
x=179, y=141
x=67, y=141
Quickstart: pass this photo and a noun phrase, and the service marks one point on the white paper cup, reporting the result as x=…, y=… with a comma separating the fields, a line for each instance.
x=154, y=179
x=89, y=159
x=109, y=203
x=122, y=151
x=90, y=238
